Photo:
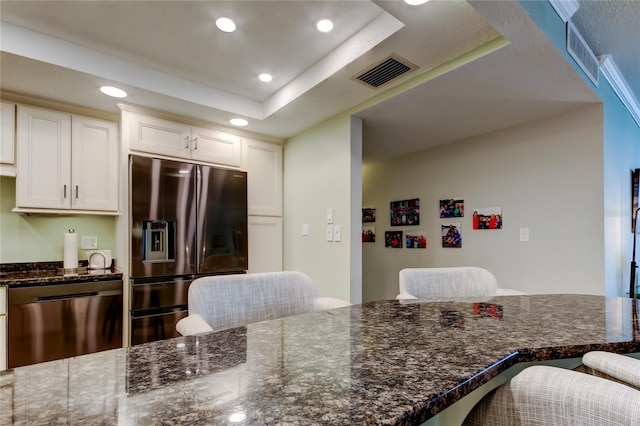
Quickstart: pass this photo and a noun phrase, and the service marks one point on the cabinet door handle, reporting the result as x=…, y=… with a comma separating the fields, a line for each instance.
x=186, y=138
x=65, y=191
x=195, y=143
x=76, y=191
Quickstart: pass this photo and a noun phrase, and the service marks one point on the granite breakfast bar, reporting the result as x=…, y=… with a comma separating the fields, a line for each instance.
x=385, y=362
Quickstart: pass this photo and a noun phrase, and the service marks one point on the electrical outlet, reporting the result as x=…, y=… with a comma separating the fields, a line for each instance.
x=89, y=242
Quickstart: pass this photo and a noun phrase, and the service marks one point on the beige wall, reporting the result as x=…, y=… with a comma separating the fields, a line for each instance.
x=317, y=175
x=546, y=176
x=39, y=238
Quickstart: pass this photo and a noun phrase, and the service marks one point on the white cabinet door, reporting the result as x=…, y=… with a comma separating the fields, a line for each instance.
x=3, y=342
x=3, y=327
x=43, y=158
x=263, y=163
x=7, y=133
x=265, y=244
x=216, y=147
x=157, y=136
x=94, y=164
x=3, y=299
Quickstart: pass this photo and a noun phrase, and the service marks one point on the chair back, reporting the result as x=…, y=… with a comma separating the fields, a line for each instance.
x=226, y=301
x=447, y=283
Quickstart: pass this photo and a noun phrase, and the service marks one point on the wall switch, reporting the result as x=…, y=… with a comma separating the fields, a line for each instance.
x=329, y=233
x=524, y=234
x=337, y=233
x=329, y=215
x=305, y=229
x=89, y=242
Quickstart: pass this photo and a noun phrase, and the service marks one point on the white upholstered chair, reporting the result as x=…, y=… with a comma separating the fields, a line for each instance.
x=552, y=396
x=226, y=301
x=449, y=283
x=620, y=368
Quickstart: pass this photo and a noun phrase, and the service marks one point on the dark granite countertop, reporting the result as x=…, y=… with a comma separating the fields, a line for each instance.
x=49, y=273
x=385, y=362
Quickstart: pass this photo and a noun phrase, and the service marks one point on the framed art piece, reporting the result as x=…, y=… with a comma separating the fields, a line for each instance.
x=406, y=212
x=393, y=239
x=487, y=218
x=416, y=239
x=368, y=234
x=451, y=235
x=452, y=207
x=368, y=214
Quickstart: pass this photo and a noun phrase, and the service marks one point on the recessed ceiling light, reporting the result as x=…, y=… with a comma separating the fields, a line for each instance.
x=324, y=25
x=240, y=122
x=226, y=25
x=415, y=2
x=265, y=77
x=114, y=92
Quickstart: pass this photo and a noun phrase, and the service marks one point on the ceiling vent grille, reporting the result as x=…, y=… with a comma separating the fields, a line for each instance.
x=582, y=53
x=383, y=72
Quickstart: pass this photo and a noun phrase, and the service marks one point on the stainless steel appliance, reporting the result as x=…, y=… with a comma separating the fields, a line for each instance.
x=63, y=320
x=188, y=220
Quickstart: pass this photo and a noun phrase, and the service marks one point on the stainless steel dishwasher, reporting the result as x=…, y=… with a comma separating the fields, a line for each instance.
x=58, y=321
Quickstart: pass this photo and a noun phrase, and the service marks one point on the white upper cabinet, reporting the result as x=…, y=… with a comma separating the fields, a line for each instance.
x=7, y=139
x=263, y=163
x=94, y=165
x=63, y=166
x=216, y=147
x=158, y=136
x=44, y=159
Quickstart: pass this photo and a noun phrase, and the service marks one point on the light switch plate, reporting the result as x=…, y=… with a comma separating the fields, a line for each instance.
x=524, y=234
x=337, y=233
x=305, y=229
x=329, y=215
x=329, y=233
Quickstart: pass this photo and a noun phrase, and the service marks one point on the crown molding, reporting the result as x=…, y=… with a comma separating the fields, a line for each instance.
x=19, y=98
x=611, y=72
x=191, y=121
x=565, y=8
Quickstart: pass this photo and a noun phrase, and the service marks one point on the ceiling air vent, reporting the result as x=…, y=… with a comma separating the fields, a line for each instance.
x=383, y=72
x=582, y=53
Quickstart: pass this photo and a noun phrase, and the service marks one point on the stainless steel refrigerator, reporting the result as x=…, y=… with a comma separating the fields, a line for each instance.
x=187, y=221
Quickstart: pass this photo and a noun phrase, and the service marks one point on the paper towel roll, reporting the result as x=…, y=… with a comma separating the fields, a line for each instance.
x=70, y=250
